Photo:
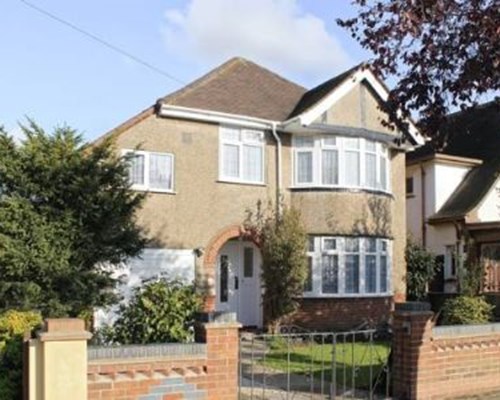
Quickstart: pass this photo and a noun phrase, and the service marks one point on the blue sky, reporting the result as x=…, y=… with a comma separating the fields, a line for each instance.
x=56, y=75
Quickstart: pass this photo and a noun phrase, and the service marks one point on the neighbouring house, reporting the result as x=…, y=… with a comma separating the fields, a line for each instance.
x=453, y=196
x=242, y=134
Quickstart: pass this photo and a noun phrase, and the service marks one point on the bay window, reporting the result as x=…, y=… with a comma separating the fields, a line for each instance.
x=241, y=155
x=150, y=170
x=335, y=161
x=347, y=267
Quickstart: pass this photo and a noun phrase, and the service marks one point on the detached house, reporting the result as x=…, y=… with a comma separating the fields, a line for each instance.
x=241, y=134
x=453, y=196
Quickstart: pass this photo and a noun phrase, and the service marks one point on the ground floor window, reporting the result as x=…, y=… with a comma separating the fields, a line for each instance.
x=348, y=266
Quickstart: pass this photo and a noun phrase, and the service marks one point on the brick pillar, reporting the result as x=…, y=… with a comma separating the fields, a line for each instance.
x=222, y=338
x=412, y=328
x=63, y=361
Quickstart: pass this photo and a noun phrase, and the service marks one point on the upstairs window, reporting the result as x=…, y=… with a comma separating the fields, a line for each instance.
x=241, y=155
x=335, y=161
x=151, y=171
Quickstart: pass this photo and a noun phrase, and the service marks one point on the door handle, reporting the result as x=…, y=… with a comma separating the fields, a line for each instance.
x=236, y=283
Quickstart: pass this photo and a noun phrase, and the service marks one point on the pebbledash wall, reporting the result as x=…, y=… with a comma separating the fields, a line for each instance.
x=445, y=362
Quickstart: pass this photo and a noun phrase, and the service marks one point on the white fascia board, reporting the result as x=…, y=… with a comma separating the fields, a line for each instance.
x=315, y=112
x=171, y=111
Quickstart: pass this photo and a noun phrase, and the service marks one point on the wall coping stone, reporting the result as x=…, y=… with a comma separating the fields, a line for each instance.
x=455, y=331
x=220, y=317
x=413, y=306
x=165, y=350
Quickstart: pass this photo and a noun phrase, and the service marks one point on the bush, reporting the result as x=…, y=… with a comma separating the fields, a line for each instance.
x=13, y=325
x=283, y=242
x=421, y=268
x=466, y=310
x=159, y=311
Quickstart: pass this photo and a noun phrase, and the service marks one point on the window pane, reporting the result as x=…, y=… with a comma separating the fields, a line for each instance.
x=160, y=171
x=310, y=244
x=136, y=169
x=351, y=245
x=329, y=244
x=383, y=173
x=252, y=163
x=330, y=170
x=304, y=141
x=230, y=134
x=224, y=279
x=249, y=135
x=383, y=274
x=352, y=168
x=352, y=273
x=351, y=143
x=330, y=273
x=371, y=274
x=330, y=141
x=371, y=170
x=231, y=161
x=384, y=245
x=371, y=245
x=370, y=145
x=308, y=284
x=248, y=262
x=304, y=167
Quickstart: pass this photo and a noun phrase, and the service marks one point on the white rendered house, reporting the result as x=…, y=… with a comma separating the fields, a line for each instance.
x=453, y=195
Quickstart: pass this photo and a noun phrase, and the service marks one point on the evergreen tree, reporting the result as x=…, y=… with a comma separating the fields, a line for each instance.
x=66, y=215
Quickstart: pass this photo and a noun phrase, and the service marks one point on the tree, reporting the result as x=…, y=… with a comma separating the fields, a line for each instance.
x=66, y=214
x=282, y=240
x=421, y=268
x=443, y=53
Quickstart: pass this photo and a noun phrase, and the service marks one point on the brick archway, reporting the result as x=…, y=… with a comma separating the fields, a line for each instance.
x=210, y=258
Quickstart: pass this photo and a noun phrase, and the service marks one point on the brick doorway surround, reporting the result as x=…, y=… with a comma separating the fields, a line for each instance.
x=211, y=253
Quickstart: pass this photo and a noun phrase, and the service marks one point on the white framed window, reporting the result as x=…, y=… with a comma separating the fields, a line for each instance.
x=336, y=161
x=348, y=267
x=151, y=170
x=241, y=155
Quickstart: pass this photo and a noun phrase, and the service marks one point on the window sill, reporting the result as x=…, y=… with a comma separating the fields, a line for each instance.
x=410, y=195
x=339, y=189
x=345, y=295
x=238, y=182
x=156, y=191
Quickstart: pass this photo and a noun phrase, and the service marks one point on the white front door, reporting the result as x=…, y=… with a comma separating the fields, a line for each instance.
x=238, y=282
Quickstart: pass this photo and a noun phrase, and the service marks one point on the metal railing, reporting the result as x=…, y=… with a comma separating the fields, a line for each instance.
x=331, y=365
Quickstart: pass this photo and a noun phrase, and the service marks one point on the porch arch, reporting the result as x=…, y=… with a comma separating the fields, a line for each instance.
x=210, y=258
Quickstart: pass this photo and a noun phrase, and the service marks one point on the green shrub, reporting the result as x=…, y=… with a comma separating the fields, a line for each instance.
x=283, y=242
x=466, y=310
x=159, y=311
x=13, y=325
x=421, y=268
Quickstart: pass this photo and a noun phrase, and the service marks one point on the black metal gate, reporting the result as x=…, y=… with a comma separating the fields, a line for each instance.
x=304, y=365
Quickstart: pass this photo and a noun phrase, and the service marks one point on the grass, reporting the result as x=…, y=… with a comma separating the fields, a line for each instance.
x=316, y=359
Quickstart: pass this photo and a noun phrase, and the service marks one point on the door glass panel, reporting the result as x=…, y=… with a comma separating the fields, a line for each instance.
x=224, y=278
x=248, y=262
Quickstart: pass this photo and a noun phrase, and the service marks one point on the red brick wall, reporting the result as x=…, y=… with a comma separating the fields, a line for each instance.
x=341, y=313
x=445, y=366
x=214, y=375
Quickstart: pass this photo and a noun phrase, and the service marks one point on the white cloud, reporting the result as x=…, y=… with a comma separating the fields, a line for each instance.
x=274, y=33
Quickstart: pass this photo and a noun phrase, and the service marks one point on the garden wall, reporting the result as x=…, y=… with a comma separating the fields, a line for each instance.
x=443, y=362
x=62, y=367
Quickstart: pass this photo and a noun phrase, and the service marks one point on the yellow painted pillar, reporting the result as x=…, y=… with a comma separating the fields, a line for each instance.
x=64, y=359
